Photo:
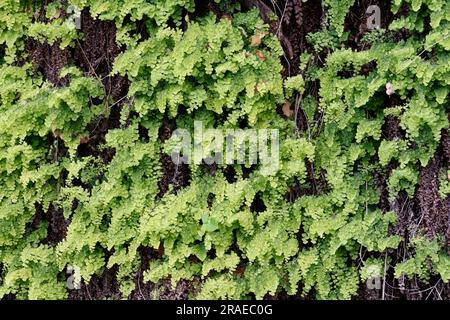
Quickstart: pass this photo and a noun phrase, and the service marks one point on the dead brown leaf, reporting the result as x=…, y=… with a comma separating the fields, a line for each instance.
x=287, y=111
x=260, y=55
x=256, y=39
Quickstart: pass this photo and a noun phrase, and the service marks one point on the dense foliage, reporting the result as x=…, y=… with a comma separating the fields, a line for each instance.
x=227, y=72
